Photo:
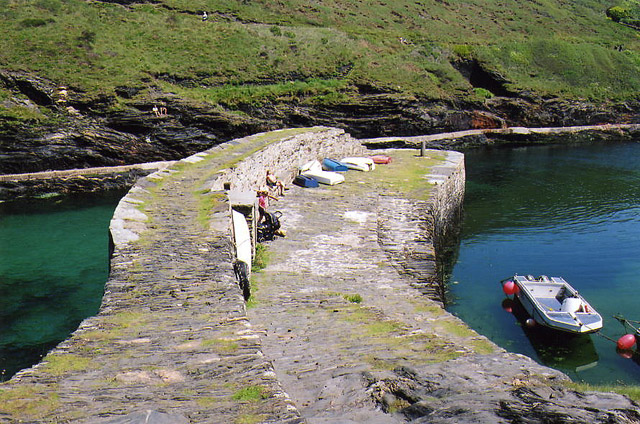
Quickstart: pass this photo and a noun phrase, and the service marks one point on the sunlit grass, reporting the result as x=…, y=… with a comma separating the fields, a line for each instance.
x=257, y=52
x=632, y=391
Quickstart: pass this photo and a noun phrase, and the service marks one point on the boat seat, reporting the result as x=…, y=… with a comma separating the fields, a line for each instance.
x=550, y=303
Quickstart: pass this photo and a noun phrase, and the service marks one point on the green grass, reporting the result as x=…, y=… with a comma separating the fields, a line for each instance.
x=405, y=175
x=254, y=52
x=353, y=298
x=28, y=402
x=251, y=394
x=261, y=258
x=61, y=364
x=633, y=392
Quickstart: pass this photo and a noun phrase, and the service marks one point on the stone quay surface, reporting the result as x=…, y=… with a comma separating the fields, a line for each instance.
x=341, y=327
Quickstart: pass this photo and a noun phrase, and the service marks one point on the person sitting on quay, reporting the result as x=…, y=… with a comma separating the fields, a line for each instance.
x=275, y=184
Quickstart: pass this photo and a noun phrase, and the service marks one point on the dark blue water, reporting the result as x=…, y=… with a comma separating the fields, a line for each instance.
x=54, y=260
x=560, y=211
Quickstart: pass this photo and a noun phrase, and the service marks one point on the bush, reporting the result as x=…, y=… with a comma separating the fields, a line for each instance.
x=483, y=93
x=275, y=31
x=617, y=13
x=462, y=50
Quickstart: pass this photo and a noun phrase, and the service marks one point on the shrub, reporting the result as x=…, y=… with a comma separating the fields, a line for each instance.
x=275, y=30
x=462, y=50
x=483, y=93
x=616, y=13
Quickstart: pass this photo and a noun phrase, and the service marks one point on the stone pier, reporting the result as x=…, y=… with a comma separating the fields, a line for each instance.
x=341, y=326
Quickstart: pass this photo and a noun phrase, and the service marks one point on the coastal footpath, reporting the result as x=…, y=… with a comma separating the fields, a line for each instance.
x=344, y=324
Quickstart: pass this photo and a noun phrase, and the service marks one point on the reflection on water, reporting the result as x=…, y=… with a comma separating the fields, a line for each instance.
x=53, y=267
x=567, y=211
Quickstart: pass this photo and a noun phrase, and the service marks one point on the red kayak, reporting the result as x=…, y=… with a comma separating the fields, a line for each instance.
x=383, y=159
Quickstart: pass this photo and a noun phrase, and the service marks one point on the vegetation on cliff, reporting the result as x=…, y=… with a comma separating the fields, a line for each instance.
x=256, y=51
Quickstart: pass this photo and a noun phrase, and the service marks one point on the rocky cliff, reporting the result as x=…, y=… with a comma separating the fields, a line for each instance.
x=76, y=130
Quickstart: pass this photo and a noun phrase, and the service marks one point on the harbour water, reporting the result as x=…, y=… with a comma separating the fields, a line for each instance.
x=570, y=211
x=54, y=260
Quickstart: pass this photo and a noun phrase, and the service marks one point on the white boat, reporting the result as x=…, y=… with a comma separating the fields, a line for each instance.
x=552, y=302
x=244, y=251
x=241, y=237
x=314, y=170
x=360, y=164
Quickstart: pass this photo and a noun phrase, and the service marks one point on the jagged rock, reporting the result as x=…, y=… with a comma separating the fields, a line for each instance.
x=150, y=417
x=520, y=391
x=94, y=132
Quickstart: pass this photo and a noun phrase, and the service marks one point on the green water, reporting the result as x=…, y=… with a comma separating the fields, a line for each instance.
x=54, y=259
x=560, y=211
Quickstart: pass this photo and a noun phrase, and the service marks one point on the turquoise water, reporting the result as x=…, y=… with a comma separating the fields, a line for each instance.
x=560, y=211
x=54, y=259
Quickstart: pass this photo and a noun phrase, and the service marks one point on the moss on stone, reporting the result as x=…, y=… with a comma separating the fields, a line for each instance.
x=30, y=402
x=251, y=394
x=250, y=419
x=221, y=345
x=458, y=329
x=60, y=364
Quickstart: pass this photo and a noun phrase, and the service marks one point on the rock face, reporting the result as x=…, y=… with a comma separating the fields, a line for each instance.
x=517, y=390
x=99, y=132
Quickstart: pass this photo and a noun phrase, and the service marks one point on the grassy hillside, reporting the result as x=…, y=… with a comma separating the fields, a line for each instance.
x=319, y=51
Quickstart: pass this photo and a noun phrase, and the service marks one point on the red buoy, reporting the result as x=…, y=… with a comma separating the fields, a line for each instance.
x=509, y=288
x=626, y=342
x=530, y=322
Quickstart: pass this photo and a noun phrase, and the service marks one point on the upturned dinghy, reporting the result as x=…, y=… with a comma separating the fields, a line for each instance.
x=552, y=302
x=314, y=170
x=304, y=181
x=333, y=165
x=360, y=164
x=381, y=159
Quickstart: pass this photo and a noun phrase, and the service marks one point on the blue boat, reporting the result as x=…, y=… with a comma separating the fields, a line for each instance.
x=334, y=165
x=304, y=181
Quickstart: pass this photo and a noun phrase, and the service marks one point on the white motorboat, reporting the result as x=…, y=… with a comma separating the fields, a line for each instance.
x=552, y=302
x=313, y=169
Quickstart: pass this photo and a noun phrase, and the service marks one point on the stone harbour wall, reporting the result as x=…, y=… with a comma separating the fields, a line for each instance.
x=284, y=158
x=412, y=230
